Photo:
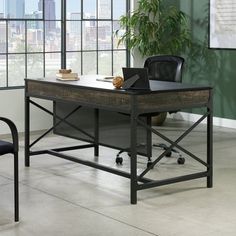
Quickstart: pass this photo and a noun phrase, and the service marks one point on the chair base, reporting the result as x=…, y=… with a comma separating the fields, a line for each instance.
x=180, y=160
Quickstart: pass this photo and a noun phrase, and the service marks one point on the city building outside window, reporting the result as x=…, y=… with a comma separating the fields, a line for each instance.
x=37, y=37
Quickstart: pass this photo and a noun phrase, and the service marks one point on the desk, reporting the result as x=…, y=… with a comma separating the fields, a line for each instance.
x=88, y=92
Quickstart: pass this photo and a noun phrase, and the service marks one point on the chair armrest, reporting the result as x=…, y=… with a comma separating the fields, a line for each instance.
x=14, y=132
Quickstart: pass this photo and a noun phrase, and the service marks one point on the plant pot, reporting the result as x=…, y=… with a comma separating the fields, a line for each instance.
x=159, y=119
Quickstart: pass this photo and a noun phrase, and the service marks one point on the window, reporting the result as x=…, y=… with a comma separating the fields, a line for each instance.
x=37, y=37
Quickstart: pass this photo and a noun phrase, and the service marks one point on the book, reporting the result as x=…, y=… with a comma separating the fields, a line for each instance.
x=65, y=71
x=105, y=79
x=109, y=77
x=68, y=79
x=67, y=75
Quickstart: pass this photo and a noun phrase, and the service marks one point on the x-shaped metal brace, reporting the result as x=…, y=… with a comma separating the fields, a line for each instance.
x=172, y=143
x=61, y=120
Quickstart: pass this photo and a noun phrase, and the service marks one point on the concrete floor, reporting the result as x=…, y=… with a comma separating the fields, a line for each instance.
x=61, y=198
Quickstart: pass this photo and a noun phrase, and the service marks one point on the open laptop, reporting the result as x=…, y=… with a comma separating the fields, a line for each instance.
x=135, y=78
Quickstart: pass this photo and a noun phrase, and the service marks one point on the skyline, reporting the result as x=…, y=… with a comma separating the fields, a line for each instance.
x=91, y=42
x=73, y=6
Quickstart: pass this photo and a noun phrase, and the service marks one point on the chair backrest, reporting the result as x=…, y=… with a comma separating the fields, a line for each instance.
x=165, y=68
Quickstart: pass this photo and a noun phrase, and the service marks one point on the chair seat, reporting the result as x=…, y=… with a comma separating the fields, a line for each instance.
x=6, y=147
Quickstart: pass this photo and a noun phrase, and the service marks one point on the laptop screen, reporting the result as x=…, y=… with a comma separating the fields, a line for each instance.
x=136, y=78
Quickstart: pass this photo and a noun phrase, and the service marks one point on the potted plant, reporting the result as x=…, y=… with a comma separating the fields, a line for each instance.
x=155, y=28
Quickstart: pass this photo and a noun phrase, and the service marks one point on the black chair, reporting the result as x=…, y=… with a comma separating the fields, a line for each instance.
x=8, y=147
x=165, y=68
x=162, y=68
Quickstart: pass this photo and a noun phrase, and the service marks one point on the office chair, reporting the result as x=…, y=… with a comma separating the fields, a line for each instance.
x=162, y=68
x=12, y=147
x=165, y=68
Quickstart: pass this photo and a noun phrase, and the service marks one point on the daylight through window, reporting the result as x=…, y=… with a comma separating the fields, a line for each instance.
x=37, y=37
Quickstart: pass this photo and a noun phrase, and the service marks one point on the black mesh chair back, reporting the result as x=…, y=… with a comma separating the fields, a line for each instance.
x=165, y=68
x=12, y=148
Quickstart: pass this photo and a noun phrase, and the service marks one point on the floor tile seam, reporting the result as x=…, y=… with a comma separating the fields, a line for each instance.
x=5, y=184
x=6, y=177
x=91, y=210
x=211, y=227
x=46, y=173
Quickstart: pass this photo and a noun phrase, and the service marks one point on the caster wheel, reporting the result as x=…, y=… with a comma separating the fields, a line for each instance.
x=168, y=154
x=119, y=160
x=181, y=160
x=149, y=164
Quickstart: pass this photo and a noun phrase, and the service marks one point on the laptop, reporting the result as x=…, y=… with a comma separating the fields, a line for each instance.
x=135, y=78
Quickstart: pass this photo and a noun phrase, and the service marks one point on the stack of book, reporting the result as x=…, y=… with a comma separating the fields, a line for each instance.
x=66, y=74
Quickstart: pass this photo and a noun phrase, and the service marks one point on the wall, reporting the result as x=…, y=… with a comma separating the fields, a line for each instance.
x=207, y=66
x=12, y=107
x=214, y=67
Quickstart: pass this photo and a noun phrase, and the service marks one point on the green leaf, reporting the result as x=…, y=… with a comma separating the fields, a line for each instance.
x=154, y=28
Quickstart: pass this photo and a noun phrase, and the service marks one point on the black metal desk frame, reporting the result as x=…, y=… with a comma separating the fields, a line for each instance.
x=100, y=95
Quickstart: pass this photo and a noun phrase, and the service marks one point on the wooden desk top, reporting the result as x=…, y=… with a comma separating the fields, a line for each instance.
x=89, y=81
x=163, y=96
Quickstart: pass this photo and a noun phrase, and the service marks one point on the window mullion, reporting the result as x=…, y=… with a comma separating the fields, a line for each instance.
x=93, y=25
x=44, y=41
x=97, y=33
x=26, y=49
x=82, y=20
x=63, y=34
x=112, y=41
x=7, y=55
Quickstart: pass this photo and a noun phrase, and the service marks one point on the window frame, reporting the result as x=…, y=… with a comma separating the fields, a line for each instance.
x=63, y=49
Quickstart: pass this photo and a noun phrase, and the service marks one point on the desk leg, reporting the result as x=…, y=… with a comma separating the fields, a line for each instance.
x=133, y=161
x=149, y=139
x=210, y=145
x=27, y=131
x=96, y=132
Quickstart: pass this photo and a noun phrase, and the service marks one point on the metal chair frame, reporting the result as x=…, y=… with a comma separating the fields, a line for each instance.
x=14, y=150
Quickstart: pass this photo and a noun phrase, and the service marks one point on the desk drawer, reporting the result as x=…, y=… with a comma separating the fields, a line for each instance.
x=172, y=101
